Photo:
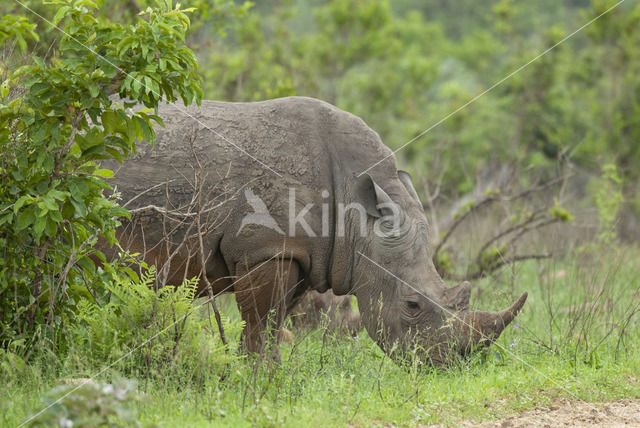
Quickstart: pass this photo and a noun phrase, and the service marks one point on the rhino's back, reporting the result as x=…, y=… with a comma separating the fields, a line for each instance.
x=294, y=140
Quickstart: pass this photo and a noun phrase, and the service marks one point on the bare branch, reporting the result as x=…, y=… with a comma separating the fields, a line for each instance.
x=72, y=138
x=144, y=192
x=508, y=261
x=203, y=272
x=538, y=219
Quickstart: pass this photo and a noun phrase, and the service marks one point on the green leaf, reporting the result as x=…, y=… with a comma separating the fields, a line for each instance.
x=48, y=163
x=148, y=85
x=157, y=119
x=100, y=255
x=107, y=68
x=137, y=84
x=4, y=88
x=7, y=218
x=86, y=3
x=94, y=90
x=131, y=130
x=58, y=194
x=67, y=210
x=86, y=264
x=94, y=152
x=106, y=173
x=80, y=207
x=48, y=202
x=95, y=219
x=114, y=153
x=38, y=226
x=78, y=189
x=21, y=201
x=43, y=209
x=56, y=216
x=118, y=211
x=110, y=121
x=51, y=228
x=21, y=42
x=145, y=128
x=60, y=15
x=132, y=274
x=25, y=219
x=40, y=64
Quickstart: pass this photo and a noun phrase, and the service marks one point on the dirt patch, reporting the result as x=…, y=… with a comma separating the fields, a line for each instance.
x=622, y=413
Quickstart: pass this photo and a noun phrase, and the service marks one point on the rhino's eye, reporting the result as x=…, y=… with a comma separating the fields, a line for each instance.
x=413, y=305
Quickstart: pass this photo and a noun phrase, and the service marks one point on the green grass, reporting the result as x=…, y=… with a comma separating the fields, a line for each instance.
x=333, y=381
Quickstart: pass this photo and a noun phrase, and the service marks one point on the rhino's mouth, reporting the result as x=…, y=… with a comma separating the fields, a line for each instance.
x=465, y=332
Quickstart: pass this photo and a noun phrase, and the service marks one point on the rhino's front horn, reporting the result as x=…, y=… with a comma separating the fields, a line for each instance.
x=480, y=327
x=509, y=314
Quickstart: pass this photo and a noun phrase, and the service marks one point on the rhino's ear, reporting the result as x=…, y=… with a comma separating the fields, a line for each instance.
x=405, y=177
x=370, y=196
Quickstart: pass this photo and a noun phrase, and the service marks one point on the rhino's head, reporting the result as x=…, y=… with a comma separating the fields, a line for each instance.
x=405, y=304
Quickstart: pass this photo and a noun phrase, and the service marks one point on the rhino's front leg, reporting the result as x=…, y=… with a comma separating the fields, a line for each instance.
x=263, y=297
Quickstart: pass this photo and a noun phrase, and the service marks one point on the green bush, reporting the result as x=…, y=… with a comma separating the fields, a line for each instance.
x=57, y=122
x=150, y=333
x=89, y=404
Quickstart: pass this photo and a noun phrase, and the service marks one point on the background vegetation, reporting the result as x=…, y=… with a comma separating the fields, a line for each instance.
x=403, y=66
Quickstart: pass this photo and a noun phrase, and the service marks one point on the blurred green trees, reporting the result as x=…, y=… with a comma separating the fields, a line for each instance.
x=404, y=66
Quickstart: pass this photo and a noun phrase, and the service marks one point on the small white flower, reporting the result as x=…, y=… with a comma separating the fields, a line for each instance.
x=107, y=389
x=121, y=393
x=65, y=423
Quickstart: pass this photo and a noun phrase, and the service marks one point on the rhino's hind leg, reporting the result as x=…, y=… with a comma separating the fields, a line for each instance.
x=263, y=296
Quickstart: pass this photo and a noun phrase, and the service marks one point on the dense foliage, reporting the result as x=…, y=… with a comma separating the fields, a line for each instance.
x=404, y=66
x=151, y=333
x=56, y=122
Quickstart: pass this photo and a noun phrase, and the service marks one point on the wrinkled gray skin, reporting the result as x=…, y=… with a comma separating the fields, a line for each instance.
x=315, y=147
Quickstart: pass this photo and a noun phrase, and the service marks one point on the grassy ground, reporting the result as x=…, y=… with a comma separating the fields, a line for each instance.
x=577, y=339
